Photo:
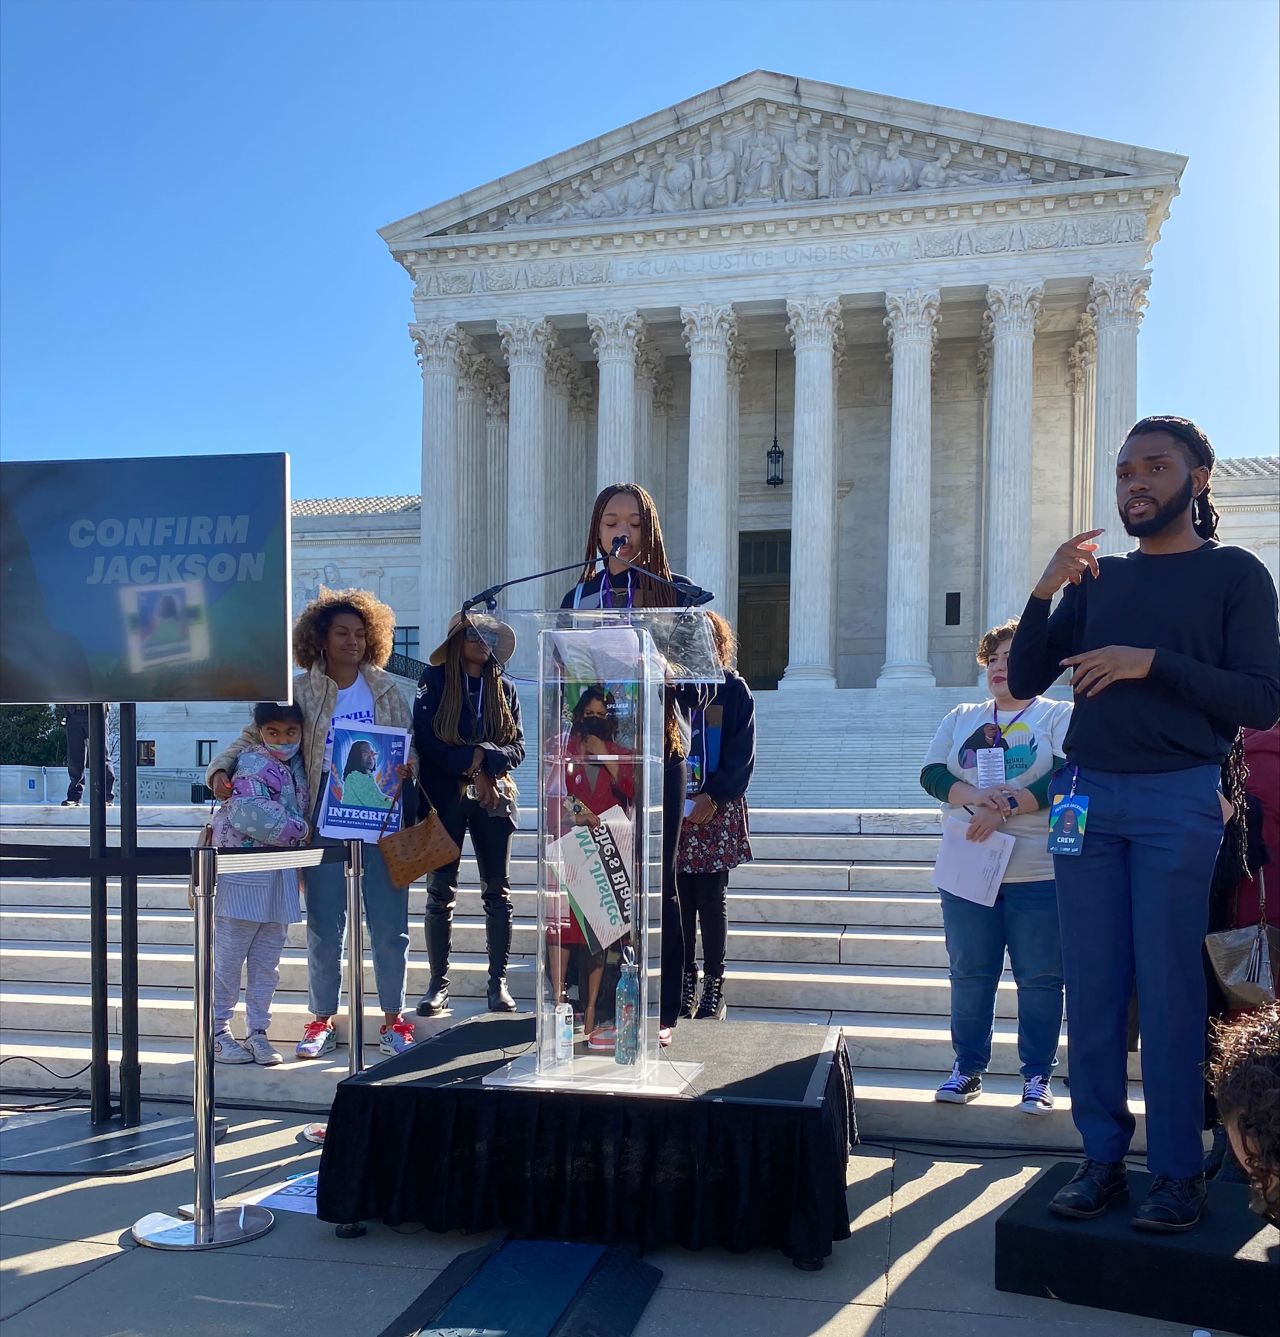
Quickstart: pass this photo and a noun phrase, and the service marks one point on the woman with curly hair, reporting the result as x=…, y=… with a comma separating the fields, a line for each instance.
x=1245, y=1072
x=340, y=641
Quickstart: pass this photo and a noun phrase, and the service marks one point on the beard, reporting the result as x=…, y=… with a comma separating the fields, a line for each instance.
x=1165, y=515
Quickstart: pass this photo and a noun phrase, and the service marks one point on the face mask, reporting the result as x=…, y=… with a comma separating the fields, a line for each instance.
x=594, y=727
x=283, y=751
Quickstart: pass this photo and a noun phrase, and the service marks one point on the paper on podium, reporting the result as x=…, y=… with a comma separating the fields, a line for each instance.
x=601, y=654
x=971, y=869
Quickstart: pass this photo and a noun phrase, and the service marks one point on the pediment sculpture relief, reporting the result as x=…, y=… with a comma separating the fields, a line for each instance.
x=763, y=163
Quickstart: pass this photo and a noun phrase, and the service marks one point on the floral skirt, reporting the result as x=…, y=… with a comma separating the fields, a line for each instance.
x=718, y=845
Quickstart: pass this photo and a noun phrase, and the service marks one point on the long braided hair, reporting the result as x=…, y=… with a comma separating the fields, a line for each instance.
x=1233, y=861
x=652, y=556
x=497, y=723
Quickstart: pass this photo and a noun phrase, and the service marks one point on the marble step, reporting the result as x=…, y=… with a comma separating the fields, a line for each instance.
x=774, y=943
x=746, y=905
x=890, y=1103
x=863, y=988
x=875, y=1039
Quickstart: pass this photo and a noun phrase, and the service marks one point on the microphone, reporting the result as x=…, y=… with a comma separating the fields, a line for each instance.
x=619, y=543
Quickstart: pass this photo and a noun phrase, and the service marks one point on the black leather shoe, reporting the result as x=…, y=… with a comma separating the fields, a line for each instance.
x=435, y=1000
x=1091, y=1190
x=1172, y=1204
x=688, y=992
x=500, y=1000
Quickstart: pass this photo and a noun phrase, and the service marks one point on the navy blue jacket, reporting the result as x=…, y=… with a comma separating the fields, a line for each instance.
x=443, y=764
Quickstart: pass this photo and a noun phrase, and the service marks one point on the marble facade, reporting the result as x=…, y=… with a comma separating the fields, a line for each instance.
x=954, y=302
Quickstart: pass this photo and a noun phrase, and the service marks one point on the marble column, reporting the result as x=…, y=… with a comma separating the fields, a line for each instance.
x=525, y=344
x=663, y=391
x=615, y=336
x=562, y=519
x=814, y=325
x=437, y=344
x=649, y=362
x=912, y=322
x=1082, y=365
x=496, y=405
x=708, y=329
x=582, y=464
x=1116, y=303
x=739, y=357
x=473, y=442
x=1012, y=312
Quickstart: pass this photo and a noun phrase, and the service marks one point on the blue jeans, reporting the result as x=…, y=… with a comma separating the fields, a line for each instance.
x=1134, y=906
x=386, y=912
x=1024, y=919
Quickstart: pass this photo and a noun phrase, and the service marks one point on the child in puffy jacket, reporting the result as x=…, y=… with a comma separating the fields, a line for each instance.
x=253, y=911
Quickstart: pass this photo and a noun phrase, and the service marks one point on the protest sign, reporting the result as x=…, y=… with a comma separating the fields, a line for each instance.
x=593, y=866
x=360, y=788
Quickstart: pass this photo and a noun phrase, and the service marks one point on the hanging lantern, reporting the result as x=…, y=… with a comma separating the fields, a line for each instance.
x=773, y=455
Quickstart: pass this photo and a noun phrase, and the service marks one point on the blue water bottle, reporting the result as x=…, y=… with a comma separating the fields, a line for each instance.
x=627, y=1046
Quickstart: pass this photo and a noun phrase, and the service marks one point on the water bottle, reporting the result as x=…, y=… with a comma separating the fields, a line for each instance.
x=564, y=1033
x=627, y=1046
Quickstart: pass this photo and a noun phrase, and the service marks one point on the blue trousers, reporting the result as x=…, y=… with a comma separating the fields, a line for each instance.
x=386, y=912
x=1134, y=908
x=1024, y=918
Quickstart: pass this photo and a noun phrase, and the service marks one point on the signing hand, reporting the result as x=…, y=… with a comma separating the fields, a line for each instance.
x=221, y=785
x=704, y=809
x=1096, y=670
x=1068, y=565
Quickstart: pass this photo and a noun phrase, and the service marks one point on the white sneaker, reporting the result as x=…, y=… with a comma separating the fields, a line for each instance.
x=1037, y=1096
x=259, y=1049
x=227, y=1049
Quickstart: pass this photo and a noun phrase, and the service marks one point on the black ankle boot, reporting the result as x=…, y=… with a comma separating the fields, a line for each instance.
x=689, y=992
x=438, y=928
x=712, y=1007
x=1091, y=1190
x=1172, y=1204
x=499, y=998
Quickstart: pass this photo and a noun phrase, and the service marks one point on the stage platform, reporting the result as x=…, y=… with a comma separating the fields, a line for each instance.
x=753, y=1156
x=1223, y=1276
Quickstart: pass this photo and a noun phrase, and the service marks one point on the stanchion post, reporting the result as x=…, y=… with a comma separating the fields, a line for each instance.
x=355, y=957
x=100, y=1110
x=127, y=784
x=210, y=1226
x=205, y=863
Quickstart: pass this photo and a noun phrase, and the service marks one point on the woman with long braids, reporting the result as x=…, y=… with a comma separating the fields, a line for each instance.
x=1173, y=647
x=625, y=511
x=466, y=727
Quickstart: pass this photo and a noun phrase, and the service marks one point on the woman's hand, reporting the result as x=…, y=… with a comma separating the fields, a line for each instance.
x=704, y=809
x=583, y=816
x=486, y=791
x=220, y=783
x=999, y=798
x=596, y=746
x=405, y=772
x=983, y=822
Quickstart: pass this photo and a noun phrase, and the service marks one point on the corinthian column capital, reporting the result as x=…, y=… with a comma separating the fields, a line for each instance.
x=912, y=315
x=437, y=344
x=526, y=341
x=1013, y=308
x=708, y=327
x=615, y=335
x=1118, y=299
x=814, y=322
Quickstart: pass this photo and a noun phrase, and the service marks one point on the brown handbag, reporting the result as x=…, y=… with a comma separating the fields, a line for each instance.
x=415, y=850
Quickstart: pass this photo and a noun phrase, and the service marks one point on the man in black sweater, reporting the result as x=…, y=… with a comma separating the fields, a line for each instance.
x=1173, y=647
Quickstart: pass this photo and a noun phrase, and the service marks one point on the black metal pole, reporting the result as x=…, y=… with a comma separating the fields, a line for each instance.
x=127, y=781
x=100, y=1110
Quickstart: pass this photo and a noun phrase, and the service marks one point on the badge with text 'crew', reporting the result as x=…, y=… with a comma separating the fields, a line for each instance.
x=1067, y=819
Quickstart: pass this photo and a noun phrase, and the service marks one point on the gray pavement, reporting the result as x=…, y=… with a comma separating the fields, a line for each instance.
x=919, y=1263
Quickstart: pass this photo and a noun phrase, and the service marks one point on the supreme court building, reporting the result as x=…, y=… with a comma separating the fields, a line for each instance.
x=941, y=309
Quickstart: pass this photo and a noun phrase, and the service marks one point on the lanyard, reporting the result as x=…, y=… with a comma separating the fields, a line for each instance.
x=1075, y=775
x=995, y=719
x=477, y=704
x=606, y=590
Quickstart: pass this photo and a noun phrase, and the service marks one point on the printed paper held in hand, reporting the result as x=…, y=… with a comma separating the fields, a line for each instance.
x=971, y=869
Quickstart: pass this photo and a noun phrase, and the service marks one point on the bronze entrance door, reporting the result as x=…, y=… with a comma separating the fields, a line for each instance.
x=764, y=596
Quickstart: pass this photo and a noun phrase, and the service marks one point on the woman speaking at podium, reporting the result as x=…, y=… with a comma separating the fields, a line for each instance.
x=624, y=514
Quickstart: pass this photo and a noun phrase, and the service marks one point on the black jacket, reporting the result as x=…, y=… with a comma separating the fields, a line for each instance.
x=737, y=723
x=443, y=765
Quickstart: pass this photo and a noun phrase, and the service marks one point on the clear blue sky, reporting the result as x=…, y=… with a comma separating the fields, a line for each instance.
x=191, y=190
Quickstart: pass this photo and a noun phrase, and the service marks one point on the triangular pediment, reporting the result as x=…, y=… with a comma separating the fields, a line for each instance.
x=770, y=142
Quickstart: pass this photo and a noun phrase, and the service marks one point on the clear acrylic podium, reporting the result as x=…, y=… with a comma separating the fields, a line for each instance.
x=601, y=678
